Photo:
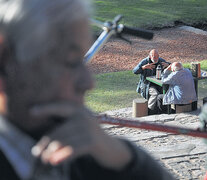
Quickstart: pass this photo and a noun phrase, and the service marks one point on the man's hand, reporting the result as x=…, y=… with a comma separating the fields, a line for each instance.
x=149, y=66
x=80, y=134
x=164, y=65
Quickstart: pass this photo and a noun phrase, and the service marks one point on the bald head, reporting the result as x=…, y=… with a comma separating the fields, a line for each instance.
x=154, y=55
x=176, y=66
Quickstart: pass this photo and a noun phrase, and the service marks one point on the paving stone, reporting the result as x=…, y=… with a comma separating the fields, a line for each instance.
x=183, y=156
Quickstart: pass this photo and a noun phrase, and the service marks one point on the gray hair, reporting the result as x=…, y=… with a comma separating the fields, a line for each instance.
x=177, y=67
x=28, y=24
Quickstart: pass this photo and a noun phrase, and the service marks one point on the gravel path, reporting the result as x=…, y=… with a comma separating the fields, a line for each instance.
x=174, y=44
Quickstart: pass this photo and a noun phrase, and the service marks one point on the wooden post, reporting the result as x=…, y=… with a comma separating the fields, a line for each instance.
x=196, y=69
x=139, y=107
x=196, y=72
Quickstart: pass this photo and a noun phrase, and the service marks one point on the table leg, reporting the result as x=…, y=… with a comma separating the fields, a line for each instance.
x=165, y=88
x=194, y=104
x=169, y=109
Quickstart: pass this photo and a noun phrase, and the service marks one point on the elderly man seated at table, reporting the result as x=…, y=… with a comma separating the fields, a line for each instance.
x=147, y=67
x=181, y=87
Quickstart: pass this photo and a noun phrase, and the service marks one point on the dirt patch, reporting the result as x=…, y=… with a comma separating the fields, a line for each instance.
x=173, y=44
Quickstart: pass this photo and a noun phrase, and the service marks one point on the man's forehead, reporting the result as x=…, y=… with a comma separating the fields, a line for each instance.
x=153, y=53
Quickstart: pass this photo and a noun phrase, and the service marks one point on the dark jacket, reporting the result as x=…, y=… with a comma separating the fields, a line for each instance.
x=85, y=168
x=143, y=85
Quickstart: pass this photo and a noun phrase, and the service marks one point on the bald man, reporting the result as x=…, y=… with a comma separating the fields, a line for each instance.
x=181, y=87
x=147, y=67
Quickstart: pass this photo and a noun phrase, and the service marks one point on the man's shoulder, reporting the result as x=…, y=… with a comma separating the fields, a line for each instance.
x=188, y=71
x=184, y=73
x=145, y=60
x=162, y=60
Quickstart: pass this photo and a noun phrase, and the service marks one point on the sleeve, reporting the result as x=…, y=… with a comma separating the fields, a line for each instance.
x=138, y=69
x=163, y=60
x=142, y=166
x=168, y=77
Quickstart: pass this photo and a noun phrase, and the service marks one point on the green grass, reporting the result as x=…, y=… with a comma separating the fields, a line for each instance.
x=116, y=90
x=152, y=13
x=113, y=91
x=203, y=65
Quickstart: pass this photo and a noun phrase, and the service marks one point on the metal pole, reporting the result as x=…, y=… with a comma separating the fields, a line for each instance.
x=154, y=127
x=105, y=35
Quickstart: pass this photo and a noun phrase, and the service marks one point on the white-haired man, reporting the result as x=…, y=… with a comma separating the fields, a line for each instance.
x=47, y=132
x=181, y=87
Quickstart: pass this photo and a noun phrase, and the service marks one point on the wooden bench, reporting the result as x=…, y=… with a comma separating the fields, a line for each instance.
x=180, y=108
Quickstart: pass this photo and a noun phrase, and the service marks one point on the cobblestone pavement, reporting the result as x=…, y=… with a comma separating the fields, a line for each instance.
x=184, y=156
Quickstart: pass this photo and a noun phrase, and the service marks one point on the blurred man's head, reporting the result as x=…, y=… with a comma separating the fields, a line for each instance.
x=41, y=60
x=154, y=55
x=176, y=66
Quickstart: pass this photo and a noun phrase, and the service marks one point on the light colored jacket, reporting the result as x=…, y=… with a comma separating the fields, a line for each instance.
x=181, y=87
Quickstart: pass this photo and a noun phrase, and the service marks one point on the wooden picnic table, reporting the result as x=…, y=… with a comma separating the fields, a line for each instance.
x=158, y=82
